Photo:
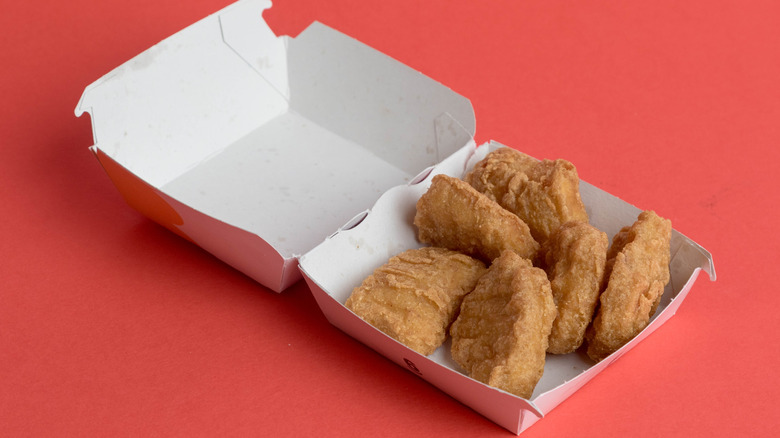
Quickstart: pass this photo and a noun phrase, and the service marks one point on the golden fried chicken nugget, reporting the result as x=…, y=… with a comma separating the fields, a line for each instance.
x=575, y=257
x=414, y=297
x=544, y=194
x=637, y=270
x=500, y=336
x=452, y=214
x=492, y=174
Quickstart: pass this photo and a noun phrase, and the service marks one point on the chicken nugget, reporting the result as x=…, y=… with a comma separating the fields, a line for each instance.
x=575, y=257
x=637, y=270
x=544, y=194
x=452, y=214
x=500, y=336
x=491, y=175
x=414, y=297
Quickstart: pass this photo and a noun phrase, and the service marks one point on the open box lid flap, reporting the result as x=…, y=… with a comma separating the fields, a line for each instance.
x=227, y=83
x=199, y=91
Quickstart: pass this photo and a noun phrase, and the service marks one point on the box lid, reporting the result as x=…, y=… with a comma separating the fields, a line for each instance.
x=256, y=146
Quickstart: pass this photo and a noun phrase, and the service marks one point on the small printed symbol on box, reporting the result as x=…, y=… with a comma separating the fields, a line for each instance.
x=412, y=366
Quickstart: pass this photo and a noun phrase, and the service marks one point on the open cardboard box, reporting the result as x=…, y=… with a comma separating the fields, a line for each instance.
x=269, y=151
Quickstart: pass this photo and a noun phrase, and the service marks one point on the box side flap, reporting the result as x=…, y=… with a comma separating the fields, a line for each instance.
x=190, y=95
x=142, y=196
x=240, y=249
x=372, y=99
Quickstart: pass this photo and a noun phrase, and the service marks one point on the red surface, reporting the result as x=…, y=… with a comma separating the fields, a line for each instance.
x=111, y=325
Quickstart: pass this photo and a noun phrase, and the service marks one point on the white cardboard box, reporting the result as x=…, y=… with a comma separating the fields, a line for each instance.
x=257, y=147
x=269, y=151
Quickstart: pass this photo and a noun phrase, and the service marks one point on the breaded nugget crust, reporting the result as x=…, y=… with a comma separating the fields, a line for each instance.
x=492, y=174
x=637, y=270
x=414, y=297
x=544, y=194
x=452, y=214
x=575, y=257
x=500, y=336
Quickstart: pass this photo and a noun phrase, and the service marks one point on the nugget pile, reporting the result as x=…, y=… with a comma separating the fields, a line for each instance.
x=552, y=284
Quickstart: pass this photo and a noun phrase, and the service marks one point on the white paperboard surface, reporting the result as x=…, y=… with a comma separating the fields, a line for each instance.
x=335, y=267
x=280, y=140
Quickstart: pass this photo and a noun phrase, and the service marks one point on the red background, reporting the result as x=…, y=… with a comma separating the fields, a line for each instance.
x=111, y=325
